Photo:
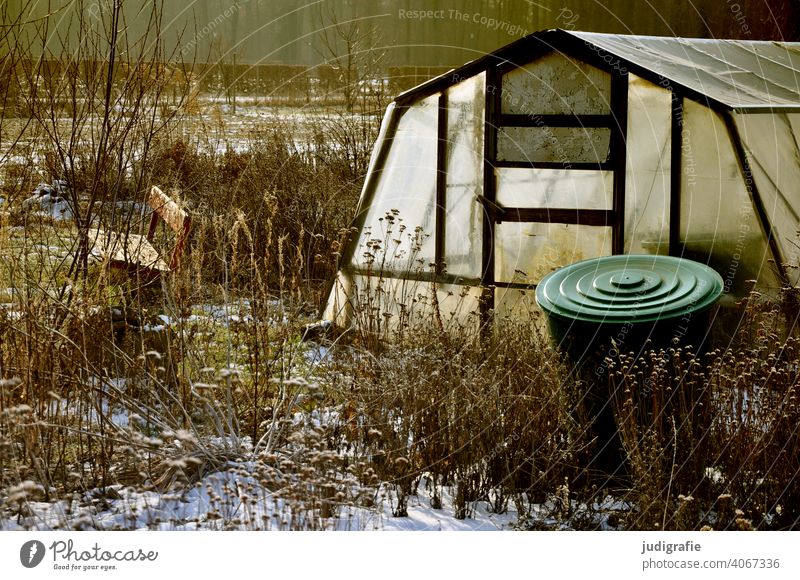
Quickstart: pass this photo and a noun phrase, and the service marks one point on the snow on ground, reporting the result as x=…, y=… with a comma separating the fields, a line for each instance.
x=236, y=497
x=246, y=506
x=231, y=313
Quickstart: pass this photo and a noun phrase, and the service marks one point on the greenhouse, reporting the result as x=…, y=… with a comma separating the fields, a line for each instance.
x=568, y=145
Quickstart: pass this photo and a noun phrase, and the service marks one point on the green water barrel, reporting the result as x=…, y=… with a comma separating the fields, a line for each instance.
x=621, y=304
x=629, y=302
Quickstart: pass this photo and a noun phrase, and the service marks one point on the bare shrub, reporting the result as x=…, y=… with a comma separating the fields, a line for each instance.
x=493, y=421
x=708, y=439
x=282, y=189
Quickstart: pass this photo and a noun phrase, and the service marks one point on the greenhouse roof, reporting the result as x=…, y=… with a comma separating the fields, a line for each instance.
x=735, y=74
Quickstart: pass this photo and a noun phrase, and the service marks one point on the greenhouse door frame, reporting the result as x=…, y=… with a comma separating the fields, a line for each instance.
x=494, y=214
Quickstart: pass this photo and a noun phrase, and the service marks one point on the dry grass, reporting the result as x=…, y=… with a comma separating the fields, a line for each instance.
x=98, y=371
x=707, y=441
x=494, y=421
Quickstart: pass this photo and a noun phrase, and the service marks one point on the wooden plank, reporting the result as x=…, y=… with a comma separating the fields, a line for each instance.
x=176, y=218
x=136, y=252
x=167, y=210
x=125, y=249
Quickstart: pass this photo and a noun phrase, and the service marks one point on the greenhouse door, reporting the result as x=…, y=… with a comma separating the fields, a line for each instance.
x=555, y=170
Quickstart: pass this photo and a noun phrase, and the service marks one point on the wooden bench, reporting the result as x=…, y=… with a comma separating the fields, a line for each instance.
x=135, y=253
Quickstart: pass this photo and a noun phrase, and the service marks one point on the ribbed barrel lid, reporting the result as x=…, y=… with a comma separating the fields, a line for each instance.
x=629, y=288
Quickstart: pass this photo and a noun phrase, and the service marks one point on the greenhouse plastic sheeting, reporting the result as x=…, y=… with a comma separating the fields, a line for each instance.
x=647, y=181
x=403, y=223
x=718, y=223
x=390, y=304
x=561, y=188
x=526, y=252
x=464, y=180
x=554, y=144
x=771, y=145
x=737, y=74
x=555, y=84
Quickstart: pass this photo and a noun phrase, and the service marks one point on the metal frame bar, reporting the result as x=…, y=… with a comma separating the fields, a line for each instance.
x=675, y=175
x=441, y=184
x=604, y=166
x=619, y=154
x=493, y=107
x=587, y=217
x=576, y=121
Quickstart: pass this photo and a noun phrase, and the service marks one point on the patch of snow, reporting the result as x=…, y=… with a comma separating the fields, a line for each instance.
x=154, y=328
x=316, y=353
x=9, y=311
x=714, y=475
x=50, y=201
x=50, y=249
x=236, y=500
